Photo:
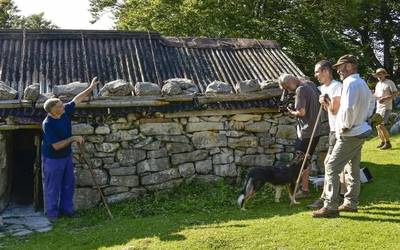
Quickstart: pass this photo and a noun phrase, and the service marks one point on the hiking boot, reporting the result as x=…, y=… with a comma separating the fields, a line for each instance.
x=345, y=208
x=301, y=194
x=325, y=213
x=381, y=144
x=317, y=204
x=387, y=145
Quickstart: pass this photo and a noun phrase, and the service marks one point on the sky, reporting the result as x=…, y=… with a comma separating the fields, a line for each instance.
x=66, y=14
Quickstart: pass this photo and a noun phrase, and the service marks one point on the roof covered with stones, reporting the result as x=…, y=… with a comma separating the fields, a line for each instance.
x=56, y=57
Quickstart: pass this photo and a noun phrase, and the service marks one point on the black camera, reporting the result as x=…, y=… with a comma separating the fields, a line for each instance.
x=286, y=101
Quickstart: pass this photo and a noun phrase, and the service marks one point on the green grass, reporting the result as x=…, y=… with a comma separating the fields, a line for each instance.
x=206, y=217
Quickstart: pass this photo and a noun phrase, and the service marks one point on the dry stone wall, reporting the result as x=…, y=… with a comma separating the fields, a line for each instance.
x=134, y=155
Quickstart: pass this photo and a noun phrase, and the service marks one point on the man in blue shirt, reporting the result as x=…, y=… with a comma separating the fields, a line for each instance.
x=59, y=179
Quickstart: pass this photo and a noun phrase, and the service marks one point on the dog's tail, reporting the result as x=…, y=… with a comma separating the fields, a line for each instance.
x=246, y=192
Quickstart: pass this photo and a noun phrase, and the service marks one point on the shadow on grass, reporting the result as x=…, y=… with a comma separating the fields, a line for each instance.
x=162, y=217
x=201, y=208
x=367, y=218
x=379, y=199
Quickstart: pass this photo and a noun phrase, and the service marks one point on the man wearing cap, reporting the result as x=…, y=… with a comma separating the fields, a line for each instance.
x=59, y=179
x=385, y=92
x=351, y=131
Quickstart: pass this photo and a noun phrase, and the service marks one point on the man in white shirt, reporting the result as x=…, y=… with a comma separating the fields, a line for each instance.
x=351, y=131
x=385, y=92
x=324, y=73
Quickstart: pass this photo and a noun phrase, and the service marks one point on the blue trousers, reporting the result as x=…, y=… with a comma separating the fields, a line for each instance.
x=59, y=185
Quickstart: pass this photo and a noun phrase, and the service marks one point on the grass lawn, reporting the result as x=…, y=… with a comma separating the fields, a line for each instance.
x=206, y=217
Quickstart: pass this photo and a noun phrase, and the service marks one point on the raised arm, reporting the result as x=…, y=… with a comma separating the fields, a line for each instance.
x=81, y=96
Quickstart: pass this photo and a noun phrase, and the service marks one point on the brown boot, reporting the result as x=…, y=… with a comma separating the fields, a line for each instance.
x=345, y=208
x=381, y=144
x=387, y=145
x=325, y=213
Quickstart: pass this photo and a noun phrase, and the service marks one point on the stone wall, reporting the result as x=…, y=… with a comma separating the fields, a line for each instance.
x=133, y=155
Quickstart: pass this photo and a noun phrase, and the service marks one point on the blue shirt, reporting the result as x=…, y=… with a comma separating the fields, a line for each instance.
x=55, y=130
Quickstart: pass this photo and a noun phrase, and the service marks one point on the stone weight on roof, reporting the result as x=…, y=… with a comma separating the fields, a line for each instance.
x=32, y=92
x=6, y=92
x=147, y=89
x=219, y=87
x=269, y=84
x=247, y=86
x=69, y=90
x=178, y=86
x=117, y=88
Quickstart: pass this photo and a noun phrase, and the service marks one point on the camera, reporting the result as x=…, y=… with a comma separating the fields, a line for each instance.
x=286, y=101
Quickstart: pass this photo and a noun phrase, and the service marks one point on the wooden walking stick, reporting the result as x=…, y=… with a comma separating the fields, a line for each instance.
x=89, y=163
x=293, y=200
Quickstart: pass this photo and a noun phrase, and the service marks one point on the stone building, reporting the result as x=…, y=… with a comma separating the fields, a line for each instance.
x=167, y=109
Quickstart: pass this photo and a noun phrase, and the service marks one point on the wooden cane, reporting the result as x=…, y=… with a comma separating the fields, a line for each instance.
x=293, y=200
x=89, y=163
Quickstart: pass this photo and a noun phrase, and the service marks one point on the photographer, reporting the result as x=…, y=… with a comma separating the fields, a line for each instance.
x=305, y=111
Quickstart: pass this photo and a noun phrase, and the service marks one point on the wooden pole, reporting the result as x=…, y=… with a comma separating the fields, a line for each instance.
x=293, y=200
x=82, y=151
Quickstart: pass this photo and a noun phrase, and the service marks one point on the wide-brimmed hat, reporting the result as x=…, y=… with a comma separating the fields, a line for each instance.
x=345, y=59
x=381, y=71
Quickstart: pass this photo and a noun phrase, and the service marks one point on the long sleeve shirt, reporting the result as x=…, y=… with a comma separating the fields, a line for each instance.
x=354, y=106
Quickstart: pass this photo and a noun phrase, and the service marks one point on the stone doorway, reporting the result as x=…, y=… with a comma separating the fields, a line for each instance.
x=21, y=190
x=20, y=168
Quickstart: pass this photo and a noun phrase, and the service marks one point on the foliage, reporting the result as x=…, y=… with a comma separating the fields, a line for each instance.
x=10, y=19
x=308, y=30
x=8, y=14
x=35, y=21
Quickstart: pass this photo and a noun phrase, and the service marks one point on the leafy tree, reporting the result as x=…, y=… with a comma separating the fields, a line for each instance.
x=8, y=13
x=9, y=18
x=35, y=21
x=308, y=30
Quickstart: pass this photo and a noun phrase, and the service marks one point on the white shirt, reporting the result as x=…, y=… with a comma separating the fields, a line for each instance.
x=354, y=105
x=382, y=89
x=334, y=89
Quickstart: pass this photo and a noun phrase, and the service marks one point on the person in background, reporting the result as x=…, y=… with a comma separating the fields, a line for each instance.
x=59, y=179
x=324, y=73
x=385, y=92
x=306, y=112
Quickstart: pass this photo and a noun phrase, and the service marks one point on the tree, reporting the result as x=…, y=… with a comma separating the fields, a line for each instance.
x=8, y=13
x=307, y=30
x=9, y=18
x=35, y=21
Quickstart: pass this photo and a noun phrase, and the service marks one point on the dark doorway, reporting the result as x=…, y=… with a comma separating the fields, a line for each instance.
x=26, y=182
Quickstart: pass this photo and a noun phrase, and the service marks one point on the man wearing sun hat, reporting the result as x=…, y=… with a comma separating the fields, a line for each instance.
x=385, y=92
x=351, y=132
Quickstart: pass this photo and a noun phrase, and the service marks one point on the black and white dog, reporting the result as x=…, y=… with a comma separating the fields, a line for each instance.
x=278, y=176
